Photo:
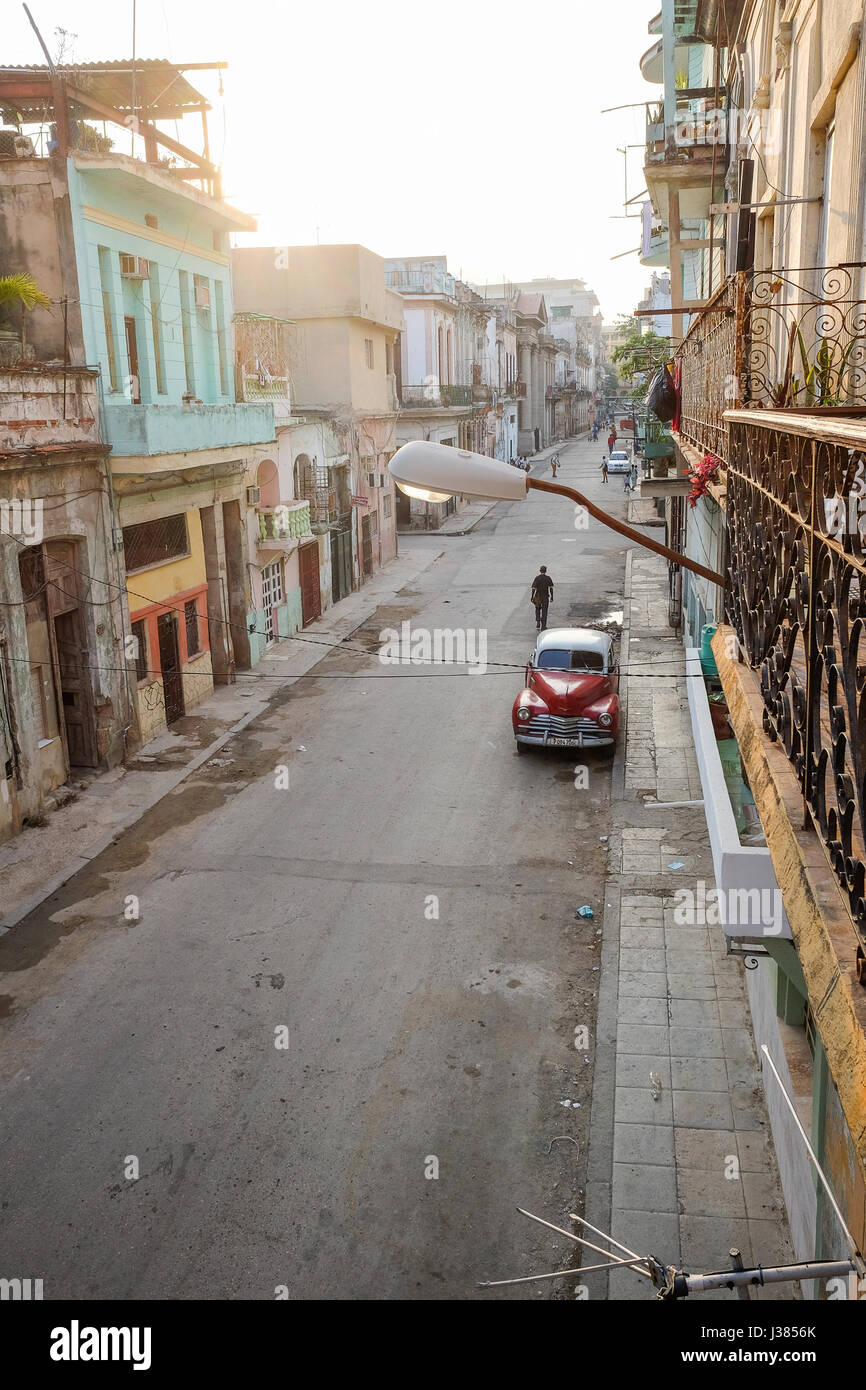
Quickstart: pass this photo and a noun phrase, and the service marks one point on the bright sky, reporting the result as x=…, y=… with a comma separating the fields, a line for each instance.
x=470, y=129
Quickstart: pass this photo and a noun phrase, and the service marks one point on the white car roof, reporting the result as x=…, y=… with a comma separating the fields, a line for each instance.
x=575, y=639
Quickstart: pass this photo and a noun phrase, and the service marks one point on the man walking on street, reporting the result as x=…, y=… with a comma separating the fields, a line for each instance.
x=604, y=471
x=554, y=464
x=542, y=597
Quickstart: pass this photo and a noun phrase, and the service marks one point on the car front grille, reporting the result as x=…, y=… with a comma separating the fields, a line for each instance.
x=561, y=726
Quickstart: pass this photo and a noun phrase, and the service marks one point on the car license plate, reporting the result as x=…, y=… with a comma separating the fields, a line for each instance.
x=563, y=742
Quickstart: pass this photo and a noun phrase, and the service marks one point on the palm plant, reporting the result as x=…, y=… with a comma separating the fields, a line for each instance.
x=22, y=289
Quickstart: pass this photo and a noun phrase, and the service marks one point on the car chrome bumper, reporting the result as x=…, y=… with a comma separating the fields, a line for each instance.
x=578, y=740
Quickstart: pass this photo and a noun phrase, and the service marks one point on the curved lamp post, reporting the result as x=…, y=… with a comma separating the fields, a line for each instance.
x=435, y=472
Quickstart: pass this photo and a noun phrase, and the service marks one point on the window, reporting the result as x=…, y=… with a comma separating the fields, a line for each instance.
x=368, y=351
x=190, y=614
x=371, y=479
x=139, y=633
x=386, y=504
x=107, y=318
x=155, y=542
x=374, y=523
x=221, y=337
x=560, y=659
x=156, y=326
x=186, y=329
x=824, y=229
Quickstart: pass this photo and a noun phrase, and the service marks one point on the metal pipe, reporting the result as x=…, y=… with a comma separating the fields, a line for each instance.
x=778, y=1274
x=852, y=1244
x=624, y=530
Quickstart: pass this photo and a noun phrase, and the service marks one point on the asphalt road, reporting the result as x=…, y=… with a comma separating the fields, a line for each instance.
x=288, y=1042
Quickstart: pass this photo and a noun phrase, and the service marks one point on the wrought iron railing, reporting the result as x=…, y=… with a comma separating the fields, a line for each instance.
x=432, y=394
x=796, y=598
x=710, y=358
x=772, y=339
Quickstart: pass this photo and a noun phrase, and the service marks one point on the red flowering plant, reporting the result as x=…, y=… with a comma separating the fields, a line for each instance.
x=704, y=473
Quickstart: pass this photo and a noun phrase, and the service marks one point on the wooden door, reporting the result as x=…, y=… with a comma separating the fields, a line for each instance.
x=169, y=661
x=311, y=595
x=366, y=545
x=76, y=695
x=132, y=353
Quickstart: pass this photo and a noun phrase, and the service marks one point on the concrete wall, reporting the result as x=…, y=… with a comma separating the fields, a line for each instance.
x=795, y=1170
x=36, y=238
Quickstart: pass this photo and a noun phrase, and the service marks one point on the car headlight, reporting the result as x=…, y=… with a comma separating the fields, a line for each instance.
x=605, y=720
x=523, y=713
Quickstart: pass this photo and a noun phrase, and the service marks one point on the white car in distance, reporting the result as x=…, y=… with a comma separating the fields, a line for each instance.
x=619, y=461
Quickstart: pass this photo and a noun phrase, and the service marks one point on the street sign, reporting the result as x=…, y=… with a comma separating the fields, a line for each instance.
x=360, y=501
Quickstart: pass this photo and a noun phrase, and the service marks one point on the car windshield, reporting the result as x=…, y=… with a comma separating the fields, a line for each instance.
x=619, y=456
x=560, y=659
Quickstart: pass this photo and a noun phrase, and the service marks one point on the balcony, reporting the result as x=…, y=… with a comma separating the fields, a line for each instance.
x=675, y=153
x=792, y=340
x=280, y=525
x=151, y=430
x=433, y=396
x=790, y=660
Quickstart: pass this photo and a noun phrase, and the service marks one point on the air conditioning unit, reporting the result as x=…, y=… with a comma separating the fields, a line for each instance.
x=254, y=496
x=134, y=267
x=202, y=297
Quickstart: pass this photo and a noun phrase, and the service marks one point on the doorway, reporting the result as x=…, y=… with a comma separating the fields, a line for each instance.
x=341, y=565
x=132, y=354
x=272, y=597
x=169, y=661
x=75, y=691
x=366, y=545
x=311, y=594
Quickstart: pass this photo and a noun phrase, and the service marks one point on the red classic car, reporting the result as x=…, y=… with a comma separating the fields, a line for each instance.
x=570, y=698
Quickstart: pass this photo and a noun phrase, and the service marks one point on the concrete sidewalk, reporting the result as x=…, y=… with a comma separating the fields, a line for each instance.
x=34, y=864
x=681, y=1163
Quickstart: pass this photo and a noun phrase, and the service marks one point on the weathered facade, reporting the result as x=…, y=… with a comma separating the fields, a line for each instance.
x=139, y=259
x=343, y=368
x=66, y=703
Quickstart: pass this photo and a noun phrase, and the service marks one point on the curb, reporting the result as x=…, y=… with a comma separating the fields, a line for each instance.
x=599, y=1170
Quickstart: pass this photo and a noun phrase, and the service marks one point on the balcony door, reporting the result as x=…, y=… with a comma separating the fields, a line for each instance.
x=132, y=355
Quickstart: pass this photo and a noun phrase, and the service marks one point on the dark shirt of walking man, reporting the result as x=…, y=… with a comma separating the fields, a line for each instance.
x=542, y=594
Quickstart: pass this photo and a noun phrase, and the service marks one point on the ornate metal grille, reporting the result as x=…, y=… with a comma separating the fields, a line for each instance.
x=796, y=512
x=772, y=339
x=711, y=357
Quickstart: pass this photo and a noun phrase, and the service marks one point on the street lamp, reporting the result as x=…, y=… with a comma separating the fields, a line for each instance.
x=435, y=472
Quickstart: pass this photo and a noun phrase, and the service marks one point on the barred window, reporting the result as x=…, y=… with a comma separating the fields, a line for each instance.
x=139, y=632
x=155, y=542
x=190, y=611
